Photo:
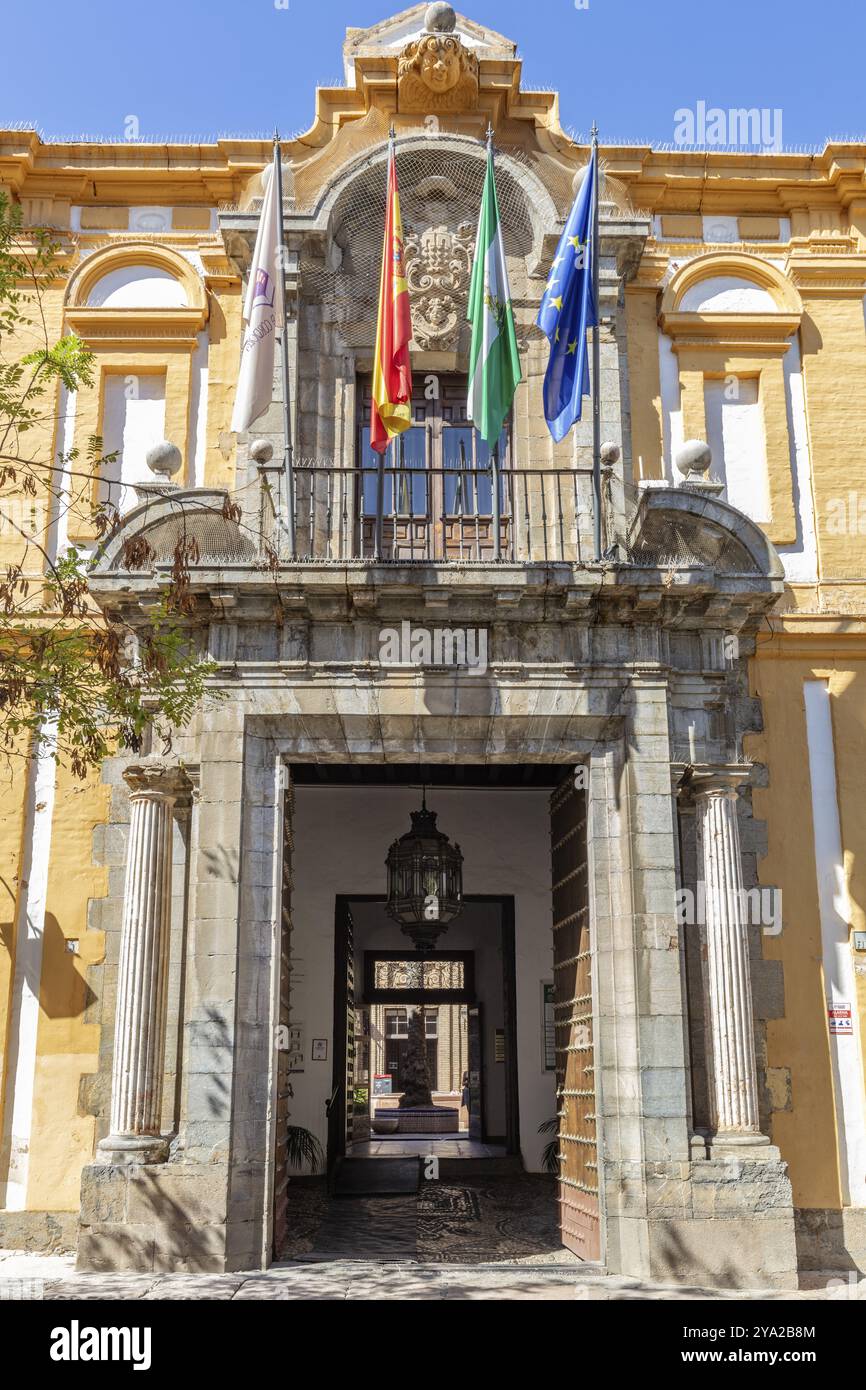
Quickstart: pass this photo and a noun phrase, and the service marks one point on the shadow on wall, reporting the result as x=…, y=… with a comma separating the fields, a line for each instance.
x=63, y=991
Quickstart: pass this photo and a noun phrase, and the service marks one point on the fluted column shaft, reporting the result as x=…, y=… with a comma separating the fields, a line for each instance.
x=734, y=1092
x=139, y=1034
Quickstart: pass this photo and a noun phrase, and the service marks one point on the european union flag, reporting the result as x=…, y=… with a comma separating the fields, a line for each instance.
x=567, y=311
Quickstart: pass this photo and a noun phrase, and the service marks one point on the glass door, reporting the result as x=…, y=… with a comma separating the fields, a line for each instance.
x=434, y=488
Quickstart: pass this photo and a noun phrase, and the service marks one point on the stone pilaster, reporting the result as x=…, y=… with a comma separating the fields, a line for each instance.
x=733, y=1089
x=139, y=1039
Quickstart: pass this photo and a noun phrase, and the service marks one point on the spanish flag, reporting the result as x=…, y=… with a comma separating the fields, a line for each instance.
x=392, y=374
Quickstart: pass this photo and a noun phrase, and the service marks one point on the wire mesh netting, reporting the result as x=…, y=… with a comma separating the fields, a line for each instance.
x=441, y=177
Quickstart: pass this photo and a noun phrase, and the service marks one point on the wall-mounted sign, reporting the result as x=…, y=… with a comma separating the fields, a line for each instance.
x=840, y=1018
x=320, y=1049
x=548, y=1029
x=860, y=941
x=382, y=1085
x=295, y=1047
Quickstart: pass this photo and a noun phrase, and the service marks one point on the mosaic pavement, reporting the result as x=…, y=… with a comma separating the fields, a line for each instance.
x=481, y=1220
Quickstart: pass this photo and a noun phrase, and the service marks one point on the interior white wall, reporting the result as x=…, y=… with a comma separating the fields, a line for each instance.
x=341, y=837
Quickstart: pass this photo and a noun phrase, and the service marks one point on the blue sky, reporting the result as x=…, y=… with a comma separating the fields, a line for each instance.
x=202, y=67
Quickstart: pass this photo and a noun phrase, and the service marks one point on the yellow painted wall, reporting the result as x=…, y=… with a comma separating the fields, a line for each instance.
x=225, y=328
x=67, y=1046
x=644, y=381
x=38, y=442
x=799, y=1043
x=833, y=340
x=13, y=795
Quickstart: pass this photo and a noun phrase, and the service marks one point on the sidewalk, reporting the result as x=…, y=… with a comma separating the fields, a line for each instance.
x=53, y=1277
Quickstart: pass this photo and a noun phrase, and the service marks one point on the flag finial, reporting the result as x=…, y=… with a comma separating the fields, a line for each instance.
x=392, y=134
x=489, y=133
x=594, y=133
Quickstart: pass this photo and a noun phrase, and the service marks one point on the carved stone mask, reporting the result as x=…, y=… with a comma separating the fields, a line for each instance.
x=440, y=64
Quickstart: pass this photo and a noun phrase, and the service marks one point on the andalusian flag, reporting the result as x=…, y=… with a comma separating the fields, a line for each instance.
x=494, y=362
x=392, y=373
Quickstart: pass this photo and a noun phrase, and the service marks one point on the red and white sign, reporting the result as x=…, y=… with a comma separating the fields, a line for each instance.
x=839, y=1018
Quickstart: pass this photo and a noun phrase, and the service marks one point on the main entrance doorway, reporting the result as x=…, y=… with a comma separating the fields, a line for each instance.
x=504, y=1014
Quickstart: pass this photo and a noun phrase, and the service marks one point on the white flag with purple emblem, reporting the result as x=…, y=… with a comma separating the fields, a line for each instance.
x=262, y=312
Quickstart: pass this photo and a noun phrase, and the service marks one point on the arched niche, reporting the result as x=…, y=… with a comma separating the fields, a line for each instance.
x=441, y=179
x=730, y=285
x=137, y=293
x=137, y=287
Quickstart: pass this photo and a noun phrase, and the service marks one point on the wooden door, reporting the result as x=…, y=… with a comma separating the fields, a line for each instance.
x=292, y=1056
x=341, y=1104
x=575, y=1071
x=475, y=1052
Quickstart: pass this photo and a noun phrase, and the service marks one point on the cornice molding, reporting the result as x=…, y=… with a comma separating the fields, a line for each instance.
x=175, y=329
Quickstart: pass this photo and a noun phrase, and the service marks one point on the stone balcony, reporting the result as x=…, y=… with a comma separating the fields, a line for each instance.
x=684, y=558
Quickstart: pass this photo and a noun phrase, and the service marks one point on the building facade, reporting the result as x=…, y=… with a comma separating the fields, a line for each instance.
x=654, y=773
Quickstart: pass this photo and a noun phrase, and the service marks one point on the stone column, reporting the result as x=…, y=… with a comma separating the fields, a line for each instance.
x=139, y=1034
x=733, y=1087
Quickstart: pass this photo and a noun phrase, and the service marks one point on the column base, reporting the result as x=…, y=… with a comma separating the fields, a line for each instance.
x=726, y=1221
x=170, y=1218
x=120, y=1149
x=735, y=1144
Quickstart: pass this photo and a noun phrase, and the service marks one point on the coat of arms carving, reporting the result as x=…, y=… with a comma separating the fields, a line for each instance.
x=438, y=270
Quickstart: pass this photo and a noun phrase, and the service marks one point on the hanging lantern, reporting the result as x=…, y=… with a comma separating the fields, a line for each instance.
x=425, y=880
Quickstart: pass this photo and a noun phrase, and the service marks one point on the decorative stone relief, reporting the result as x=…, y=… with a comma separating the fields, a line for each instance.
x=438, y=270
x=436, y=73
x=150, y=220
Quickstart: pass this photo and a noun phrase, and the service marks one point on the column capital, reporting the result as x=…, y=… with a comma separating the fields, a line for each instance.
x=158, y=777
x=715, y=779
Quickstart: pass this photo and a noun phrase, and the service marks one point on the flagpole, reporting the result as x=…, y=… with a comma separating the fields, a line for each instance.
x=496, y=502
x=596, y=365
x=379, y=533
x=284, y=358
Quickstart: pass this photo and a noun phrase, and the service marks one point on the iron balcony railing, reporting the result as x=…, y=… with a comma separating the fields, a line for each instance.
x=406, y=515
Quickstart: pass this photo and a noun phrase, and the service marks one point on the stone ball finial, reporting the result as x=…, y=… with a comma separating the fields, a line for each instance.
x=610, y=454
x=261, y=452
x=694, y=457
x=440, y=19
x=577, y=181
x=164, y=459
